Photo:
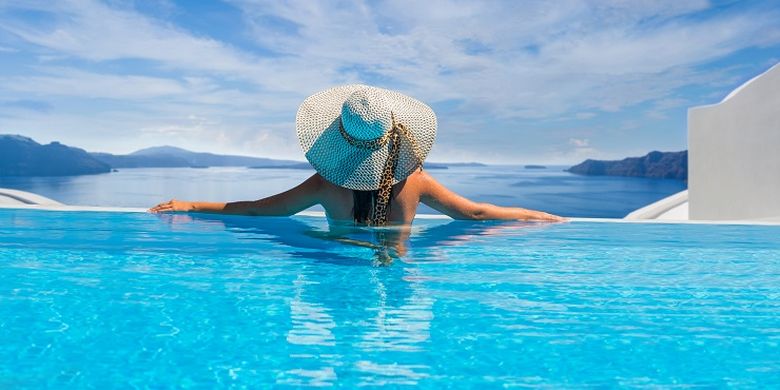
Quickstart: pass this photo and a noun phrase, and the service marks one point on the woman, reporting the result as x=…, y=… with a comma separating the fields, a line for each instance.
x=367, y=145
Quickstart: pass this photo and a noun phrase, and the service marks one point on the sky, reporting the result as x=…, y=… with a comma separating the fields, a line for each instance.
x=550, y=82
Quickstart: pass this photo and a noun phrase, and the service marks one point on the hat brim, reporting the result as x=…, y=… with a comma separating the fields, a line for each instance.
x=339, y=162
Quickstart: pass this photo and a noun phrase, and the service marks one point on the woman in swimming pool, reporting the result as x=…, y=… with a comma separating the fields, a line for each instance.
x=367, y=145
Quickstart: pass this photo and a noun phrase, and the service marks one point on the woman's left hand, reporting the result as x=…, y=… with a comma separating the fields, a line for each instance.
x=171, y=206
x=542, y=216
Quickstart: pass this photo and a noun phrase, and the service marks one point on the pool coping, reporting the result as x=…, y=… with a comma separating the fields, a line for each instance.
x=419, y=216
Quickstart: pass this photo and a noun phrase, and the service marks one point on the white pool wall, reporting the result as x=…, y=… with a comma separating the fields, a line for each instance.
x=15, y=197
x=734, y=153
x=671, y=208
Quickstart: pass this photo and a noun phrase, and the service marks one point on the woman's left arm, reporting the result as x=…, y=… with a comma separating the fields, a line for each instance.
x=290, y=202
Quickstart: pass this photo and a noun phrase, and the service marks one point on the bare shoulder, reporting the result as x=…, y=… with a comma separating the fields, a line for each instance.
x=320, y=183
x=419, y=176
x=325, y=189
x=424, y=182
x=418, y=181
x=311, y=186
x=316, y=180
x=431, y=190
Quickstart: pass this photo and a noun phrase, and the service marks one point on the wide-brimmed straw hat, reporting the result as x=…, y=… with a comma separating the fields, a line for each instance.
x=358, y=136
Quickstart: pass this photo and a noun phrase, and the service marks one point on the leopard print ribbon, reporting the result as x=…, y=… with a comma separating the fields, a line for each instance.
x=379, y=217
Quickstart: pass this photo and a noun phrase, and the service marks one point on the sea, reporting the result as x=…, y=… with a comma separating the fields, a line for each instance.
x=550, y=188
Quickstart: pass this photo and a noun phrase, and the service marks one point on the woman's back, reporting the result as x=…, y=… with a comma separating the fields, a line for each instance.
x=339, y=205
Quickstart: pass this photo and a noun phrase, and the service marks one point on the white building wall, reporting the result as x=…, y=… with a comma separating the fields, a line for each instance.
x=734, y=153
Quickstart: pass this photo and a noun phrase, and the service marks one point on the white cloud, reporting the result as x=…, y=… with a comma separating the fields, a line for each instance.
x=605, y=57
x=94, y=31
x=71, y=82
x=509, y=63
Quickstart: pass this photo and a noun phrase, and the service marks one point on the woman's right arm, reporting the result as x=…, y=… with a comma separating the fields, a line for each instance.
x=290, y=202
x=440, y=198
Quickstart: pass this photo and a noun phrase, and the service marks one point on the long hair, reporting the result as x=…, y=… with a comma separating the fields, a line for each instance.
x=363, y=203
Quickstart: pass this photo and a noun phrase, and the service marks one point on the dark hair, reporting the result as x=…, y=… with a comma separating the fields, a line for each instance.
x=363, y=205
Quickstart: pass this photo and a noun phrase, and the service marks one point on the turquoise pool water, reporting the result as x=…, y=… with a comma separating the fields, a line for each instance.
x=101, y=300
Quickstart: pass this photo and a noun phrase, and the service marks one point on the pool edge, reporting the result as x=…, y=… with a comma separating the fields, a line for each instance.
x=419, y=216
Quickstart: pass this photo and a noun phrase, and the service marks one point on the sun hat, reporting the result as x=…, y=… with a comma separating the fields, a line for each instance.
x=365, y=138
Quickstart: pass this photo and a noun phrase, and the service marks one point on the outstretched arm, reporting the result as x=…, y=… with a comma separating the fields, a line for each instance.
x=437, y=196
x=297, y=199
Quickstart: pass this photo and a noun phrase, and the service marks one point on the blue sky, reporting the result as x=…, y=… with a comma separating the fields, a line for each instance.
x=511, y=81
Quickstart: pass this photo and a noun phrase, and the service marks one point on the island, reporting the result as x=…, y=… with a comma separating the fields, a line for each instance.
x=173, y=157
x=300, y=165
x=532, y=166
x=659, y=165
x=21, y=156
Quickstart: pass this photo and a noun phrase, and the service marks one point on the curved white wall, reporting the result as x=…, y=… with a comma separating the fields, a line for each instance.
x=16, y=197
x=734, y=153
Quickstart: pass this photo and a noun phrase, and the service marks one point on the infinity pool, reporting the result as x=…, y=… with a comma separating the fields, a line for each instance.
x=99, y=300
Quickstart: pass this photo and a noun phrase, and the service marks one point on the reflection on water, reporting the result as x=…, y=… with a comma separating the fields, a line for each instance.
x=367, y=314
x=314, y=238
x=312, y=323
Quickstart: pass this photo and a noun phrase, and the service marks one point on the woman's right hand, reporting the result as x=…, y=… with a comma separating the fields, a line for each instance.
x=171, y=206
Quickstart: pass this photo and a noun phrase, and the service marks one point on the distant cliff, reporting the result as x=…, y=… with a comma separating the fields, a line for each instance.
x=170, y=157
x=660, y=165
x=21, y=156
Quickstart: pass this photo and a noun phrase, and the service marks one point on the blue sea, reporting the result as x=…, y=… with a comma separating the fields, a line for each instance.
x=549, y=189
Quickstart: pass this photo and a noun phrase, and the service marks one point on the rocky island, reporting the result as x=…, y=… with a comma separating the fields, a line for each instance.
x=659, y=165
x=173, y=157
x=21, y=156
